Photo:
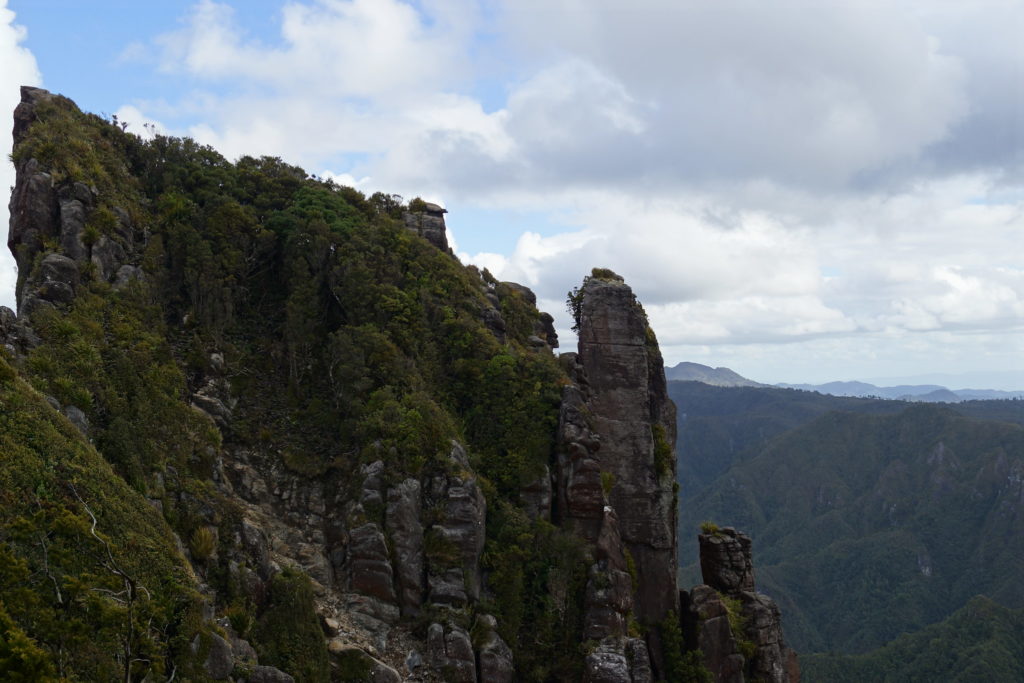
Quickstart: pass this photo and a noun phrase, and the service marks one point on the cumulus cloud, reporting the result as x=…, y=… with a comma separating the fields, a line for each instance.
x=19, y=69
x=837, y=183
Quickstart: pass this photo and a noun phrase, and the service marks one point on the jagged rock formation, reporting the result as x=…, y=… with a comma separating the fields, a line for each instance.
x=331, y=462
x=428, y=223
x=738, y=630
x=616, y=471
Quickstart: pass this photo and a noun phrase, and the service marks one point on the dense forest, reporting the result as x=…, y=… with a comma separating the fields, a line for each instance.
x=871, y=518
x=246, y=307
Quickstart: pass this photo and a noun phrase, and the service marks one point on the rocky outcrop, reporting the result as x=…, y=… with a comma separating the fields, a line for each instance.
x=617, y=435
x=609, y=611
x=725, y=561
x=495, y=658
x=406, y=532
x=45, y=213
x=580, y=498
x=427, y=221
x=450, y=652
x=738, y=630
x=16, y=337
x=457, y=540
x=385, y=546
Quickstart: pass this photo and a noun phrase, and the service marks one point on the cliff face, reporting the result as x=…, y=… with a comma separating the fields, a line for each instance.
x=738, y=630
x=631, y=411
x=617, y=465
x=366, y=453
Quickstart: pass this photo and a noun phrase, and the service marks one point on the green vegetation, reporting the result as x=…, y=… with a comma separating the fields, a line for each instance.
x=574, y=299
x=288, y=633
x=91, y=587
x=981, y=642
x=709, y=527
x=664, y=456
x=344, y=339
x=867, y=524
x=538, y=576
x=681, y=666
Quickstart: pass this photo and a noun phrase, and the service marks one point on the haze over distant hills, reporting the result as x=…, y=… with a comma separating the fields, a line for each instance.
x=905, y=390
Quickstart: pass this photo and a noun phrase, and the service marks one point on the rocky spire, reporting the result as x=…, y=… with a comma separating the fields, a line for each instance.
x=738, y=630
x=618, y=439
x=631, y=411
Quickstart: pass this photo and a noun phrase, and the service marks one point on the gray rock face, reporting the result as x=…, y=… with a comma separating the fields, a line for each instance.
x=629, y=405
x=77, y=417
x=609, y=597
x=72, y=227
x=55, y=283
x=33, y=217
x=705, y=614
x=728, y=570
x=269, y=674
x=616, y=450
x=219, y=661
x=495, y=656
x=428, y=224
x=639, y=661
x=580, y=498
x=618, y=660
x=369, y=564
x=24, y=113
x=406, y=532
x=107, y=255
x=725, y=561
x=15, y=334
x=450, y=653
x=772, y=661
x=464, y=511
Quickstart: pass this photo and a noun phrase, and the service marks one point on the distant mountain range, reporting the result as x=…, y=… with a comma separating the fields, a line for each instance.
x=923, y=393
x=716, y=377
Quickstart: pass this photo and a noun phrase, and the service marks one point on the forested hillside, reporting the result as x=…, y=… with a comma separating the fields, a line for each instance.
x=201, y=321
x=979, y=643
x=869, y=523
x=260, y=427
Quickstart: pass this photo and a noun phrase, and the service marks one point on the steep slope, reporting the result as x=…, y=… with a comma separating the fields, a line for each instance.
x=91, y=583
x=981, y=642
x=722, y=425
x=871, y=525
x=362, y=457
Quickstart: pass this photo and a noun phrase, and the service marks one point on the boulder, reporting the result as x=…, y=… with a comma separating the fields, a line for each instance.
x=269, y=674
x=450, y=653
x=219, y=662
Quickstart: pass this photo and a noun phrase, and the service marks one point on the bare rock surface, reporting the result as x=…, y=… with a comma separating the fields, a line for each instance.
x=747, y=645
x=725, y=560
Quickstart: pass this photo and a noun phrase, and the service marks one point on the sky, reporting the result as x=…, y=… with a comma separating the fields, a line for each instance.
x=800, y=191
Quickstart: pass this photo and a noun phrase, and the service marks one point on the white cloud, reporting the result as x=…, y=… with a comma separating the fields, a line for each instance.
x=139, y=123
x=19, y=69
x=834, y=182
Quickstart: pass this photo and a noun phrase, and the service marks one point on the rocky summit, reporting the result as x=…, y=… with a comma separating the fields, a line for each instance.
x=260, y=427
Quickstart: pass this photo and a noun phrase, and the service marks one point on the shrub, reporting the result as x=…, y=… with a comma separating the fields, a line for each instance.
x=204, y=542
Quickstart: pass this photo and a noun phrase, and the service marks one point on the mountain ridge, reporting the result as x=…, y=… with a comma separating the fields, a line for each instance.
x=365, y=459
